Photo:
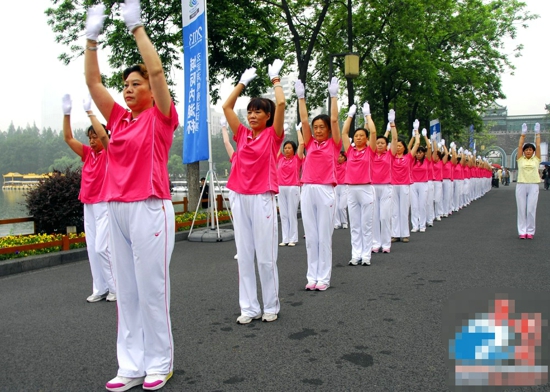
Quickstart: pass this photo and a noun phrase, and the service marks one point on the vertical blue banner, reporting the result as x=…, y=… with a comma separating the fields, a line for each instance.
x=472, y=142
x=195, y=124
x=435, y=127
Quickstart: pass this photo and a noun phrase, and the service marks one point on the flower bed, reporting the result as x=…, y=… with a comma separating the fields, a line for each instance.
x=27, y=241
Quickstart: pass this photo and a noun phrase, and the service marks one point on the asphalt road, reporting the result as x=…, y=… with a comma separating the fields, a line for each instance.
x=377, y=328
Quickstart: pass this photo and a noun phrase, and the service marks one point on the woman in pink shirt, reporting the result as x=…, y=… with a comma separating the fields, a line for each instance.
x=447, y=186
x=319, y=179
x=401, y=181
x=438, y=159
x=419, y=186
x=341, y=190
x=254, y=183
x=381, y=180
x=288, y=170
x=360, y=190
x=141, y=215
x=95, y=209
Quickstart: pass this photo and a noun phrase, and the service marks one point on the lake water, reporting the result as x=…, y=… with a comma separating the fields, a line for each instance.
x=12, y=205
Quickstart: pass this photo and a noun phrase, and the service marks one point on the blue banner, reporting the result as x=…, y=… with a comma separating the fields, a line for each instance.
x=472, y=142
x=195, y=121
x=435, y=127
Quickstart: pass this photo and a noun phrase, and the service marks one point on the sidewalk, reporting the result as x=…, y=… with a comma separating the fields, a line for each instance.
x=377, y=328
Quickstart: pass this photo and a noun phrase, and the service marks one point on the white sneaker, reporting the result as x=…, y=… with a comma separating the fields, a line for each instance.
x=111, y=297
x=336, y=227
x=155, y=381
x=97, y=298
x=236, y=256
x=120, y=384
x=438, y=218
x=345, y=226
x=291, y=244
x=354, y=262
x=366, y=262
x=244, y=319
x=269, y=317
x=414, y=230
x=283, y=244
x=422, y=230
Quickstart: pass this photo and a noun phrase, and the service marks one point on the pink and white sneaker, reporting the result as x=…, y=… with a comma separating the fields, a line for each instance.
x=310, y=286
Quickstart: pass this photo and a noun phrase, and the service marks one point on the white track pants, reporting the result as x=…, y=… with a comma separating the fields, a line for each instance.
x=457, y=192
x=527, y=197
x=289, y=199
x=400, y=211
x=142, y=241
x=430, y=210
x=255, y=226
x=361, y=215
x=419, y=193
x=382, y=216
x=318, y=206
x=447, y=196
x=341, y=215
x=438, y=198
x=96, y=226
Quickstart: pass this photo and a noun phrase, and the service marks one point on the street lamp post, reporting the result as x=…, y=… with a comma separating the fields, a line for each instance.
x=351, y=71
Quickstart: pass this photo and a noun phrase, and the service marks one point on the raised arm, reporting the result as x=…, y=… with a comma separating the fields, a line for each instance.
x=98, y=128
x=521, y=140
x=74, y=144
x=300, y=90
x=416, y=143
x=454, y=158
x=94, y=23
x=334, y=124
x=413, y=139
x=428, y=144
x=391, y=121
x=345, y=128
x=280, y=102
x=300, y=150
x=369, y=124
x=229, y=104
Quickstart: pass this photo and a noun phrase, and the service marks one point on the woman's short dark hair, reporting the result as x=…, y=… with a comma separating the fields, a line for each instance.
x=324, y=118
x=92, y=130
x=343, y=154
x=383, y=137
x=292, y=144
x=139, y=68
x=421, y=149
x=440, y=154
x=361, y=129
x=267, y=105
x=529, y=145
x=405, y=147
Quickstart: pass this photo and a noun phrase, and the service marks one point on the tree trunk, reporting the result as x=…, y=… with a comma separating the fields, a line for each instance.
x=193, y=185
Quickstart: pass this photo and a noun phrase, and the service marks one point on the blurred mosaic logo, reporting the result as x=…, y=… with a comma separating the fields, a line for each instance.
x=498, y=339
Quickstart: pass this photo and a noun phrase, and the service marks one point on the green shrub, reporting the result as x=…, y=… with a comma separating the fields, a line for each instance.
x=54, y=203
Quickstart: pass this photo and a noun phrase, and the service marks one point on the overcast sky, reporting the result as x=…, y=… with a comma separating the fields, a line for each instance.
x=34, y=80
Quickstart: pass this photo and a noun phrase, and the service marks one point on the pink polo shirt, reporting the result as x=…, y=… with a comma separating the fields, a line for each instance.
x=437, y=168
x=341, y=172
x=359, y=166
x=254, y=170
x=93, y=175
x=467, y=172
x=448, y=171
x=321, y=162
x=138, y=154
x=419, y=170
x=289, y=170
x=458, y=173
x=381, y=168
x=401, y=169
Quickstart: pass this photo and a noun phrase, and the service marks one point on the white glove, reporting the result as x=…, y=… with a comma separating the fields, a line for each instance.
x=537, y=128
x=391, y=116
x=131, y=12
x=299, y=89
x=416, y=124
x=352, y=110
x=524, y=129
x=94, y=21
x=439, y=145
x=366, y=109
x=274, y=69
x=87, y=103
x=223, y=121
x=333, y=87
x=460, y=150
x=66, y=104
x=388, y=128
x=442, y=142
x=247, y=76
x=424, y=132
x=453, y=145
x=479, y=157
x=298, y=127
